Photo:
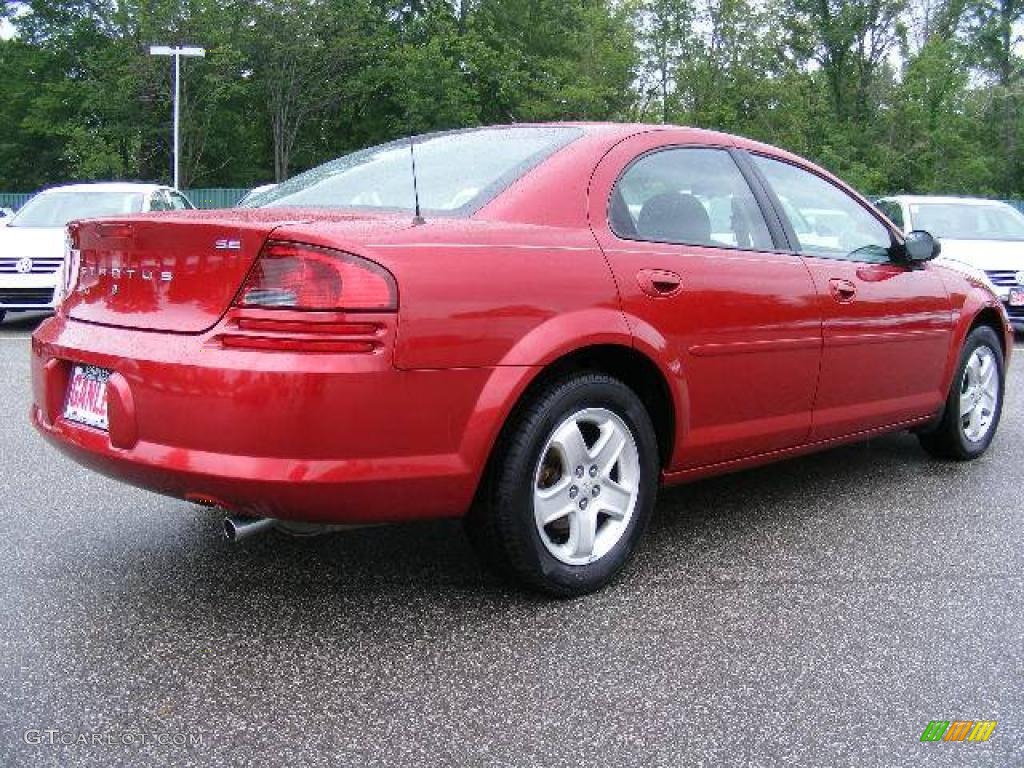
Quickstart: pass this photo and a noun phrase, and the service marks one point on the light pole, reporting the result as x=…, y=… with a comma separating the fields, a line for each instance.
x=177, y=51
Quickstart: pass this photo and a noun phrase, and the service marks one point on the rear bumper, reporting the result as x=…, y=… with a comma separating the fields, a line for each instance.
x=319, y=437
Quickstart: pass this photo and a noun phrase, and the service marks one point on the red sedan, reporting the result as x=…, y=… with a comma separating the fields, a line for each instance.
x=535, y=329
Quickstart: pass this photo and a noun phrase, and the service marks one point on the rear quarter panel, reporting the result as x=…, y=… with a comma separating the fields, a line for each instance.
x=482, y=294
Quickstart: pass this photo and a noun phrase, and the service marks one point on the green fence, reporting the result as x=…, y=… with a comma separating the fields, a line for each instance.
x=215, y=197
x=13, y=199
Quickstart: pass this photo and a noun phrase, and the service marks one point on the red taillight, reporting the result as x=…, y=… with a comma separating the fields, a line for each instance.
x=297, y=276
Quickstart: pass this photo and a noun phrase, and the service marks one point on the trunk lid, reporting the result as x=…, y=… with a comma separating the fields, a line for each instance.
x=174, y=272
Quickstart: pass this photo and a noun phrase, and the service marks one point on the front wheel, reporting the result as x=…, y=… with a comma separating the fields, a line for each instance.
x=571, y=488
x=975, y=401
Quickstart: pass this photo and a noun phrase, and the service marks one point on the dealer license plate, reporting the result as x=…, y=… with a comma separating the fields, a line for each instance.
x=86, y=401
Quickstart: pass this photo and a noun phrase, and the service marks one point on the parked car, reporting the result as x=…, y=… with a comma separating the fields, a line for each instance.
x=254, y=193
x=562, y=319
x=32, y=241
x=986, y=235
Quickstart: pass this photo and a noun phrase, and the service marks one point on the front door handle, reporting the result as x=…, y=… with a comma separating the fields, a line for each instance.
x=842, y=290
x=659, y=283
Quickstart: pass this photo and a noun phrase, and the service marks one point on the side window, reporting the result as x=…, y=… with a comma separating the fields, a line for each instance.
x=158, y=202
x=827, y=221
x=694, y=196
x=892, y=211
x=179, y=202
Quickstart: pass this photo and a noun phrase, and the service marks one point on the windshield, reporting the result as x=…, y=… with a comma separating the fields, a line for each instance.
x=457, y=173
x=51, y=210
x=968, y=222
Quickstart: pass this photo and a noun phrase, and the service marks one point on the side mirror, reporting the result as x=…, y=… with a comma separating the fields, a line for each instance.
x=921, y=246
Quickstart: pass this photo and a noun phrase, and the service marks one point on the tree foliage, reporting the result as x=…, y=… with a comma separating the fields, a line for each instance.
x=896, y=95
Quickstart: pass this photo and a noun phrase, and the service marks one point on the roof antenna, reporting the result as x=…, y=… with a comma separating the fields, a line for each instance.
x=417, y=215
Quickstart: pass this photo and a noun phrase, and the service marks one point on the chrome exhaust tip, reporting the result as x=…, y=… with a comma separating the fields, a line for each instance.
x=238, y=528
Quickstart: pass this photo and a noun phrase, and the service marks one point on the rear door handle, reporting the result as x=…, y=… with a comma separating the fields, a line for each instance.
x=659, y=283
x=842, y=290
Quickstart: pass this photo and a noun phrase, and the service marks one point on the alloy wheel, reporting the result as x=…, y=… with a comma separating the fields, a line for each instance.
x=586, y=486
x=979, y=394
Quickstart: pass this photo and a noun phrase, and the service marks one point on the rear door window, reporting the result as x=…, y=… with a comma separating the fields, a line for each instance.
x=694, y=196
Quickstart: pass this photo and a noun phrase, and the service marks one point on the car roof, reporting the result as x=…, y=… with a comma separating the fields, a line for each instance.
x=618, y=131
x=623, y=130
x=107, y=186
x=942, y=199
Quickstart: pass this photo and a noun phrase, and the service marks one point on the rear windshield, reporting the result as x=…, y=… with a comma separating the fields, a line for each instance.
x=968, y=222
x=456, y=173
x=51, y=210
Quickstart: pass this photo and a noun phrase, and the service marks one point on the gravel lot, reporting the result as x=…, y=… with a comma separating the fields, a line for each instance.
x=816, y=612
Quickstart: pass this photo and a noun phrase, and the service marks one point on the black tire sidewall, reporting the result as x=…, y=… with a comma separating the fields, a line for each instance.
x=527, y=550
x=982, y=336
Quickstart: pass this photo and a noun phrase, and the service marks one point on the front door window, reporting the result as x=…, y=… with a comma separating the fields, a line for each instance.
x=828, y=223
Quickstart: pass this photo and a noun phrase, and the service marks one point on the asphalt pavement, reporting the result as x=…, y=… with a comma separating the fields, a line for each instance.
x=817, y=612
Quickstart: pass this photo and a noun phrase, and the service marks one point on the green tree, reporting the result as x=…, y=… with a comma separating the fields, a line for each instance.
x=914, y=95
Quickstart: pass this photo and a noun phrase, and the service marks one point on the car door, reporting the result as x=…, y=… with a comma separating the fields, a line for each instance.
x=703, y=281
x=887, y=324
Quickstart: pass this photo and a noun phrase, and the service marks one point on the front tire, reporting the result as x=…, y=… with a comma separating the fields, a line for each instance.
x=975, y=402
x=571, y=487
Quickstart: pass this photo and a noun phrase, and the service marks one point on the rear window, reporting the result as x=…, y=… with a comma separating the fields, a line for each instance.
x=53, y=210
x=456, y=173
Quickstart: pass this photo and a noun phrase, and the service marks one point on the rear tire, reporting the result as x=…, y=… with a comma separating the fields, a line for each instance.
x=975, y=402
x=570, y=488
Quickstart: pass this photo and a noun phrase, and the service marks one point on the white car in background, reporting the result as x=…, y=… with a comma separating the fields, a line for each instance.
x=984, y=235
x=32, y=240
